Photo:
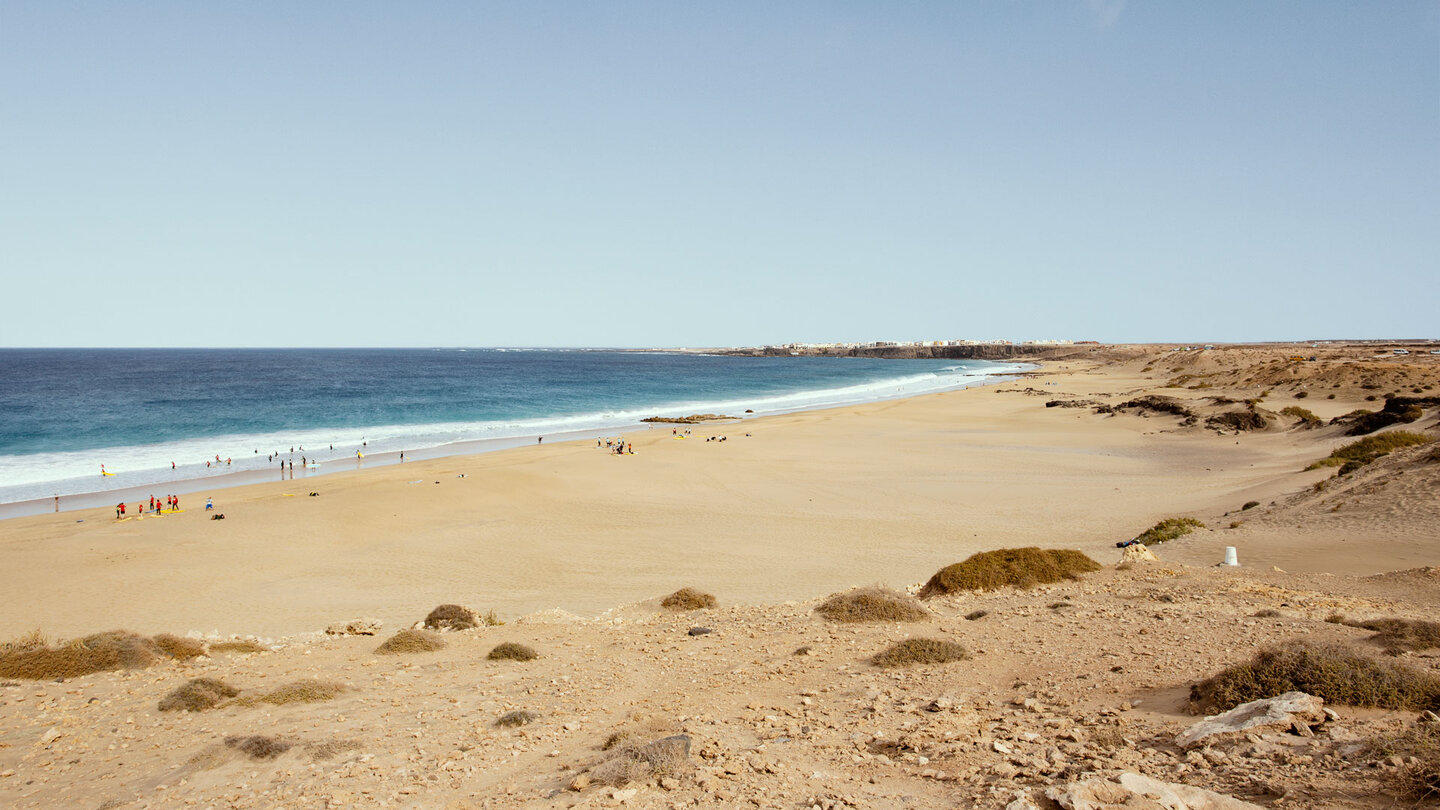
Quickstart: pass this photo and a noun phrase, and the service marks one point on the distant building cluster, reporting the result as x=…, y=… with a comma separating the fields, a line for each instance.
x=881, y=344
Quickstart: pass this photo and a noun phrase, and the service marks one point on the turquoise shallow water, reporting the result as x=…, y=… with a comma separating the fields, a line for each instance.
x=63, y=413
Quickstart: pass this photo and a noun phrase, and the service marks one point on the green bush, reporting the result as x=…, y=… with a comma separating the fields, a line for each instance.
x=1168, y=529
x=1363, y=451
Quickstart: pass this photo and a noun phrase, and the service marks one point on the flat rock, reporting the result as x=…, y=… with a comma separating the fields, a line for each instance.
x=700, y=631
x=1132, y=791
x=355, y=627
x=667, y=750
x=1292, y=710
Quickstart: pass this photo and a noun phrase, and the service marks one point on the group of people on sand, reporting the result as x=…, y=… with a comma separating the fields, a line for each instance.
x=157, y=506
x=618, y=446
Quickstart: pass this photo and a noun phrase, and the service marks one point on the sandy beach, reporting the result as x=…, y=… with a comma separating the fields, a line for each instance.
x=568, y=538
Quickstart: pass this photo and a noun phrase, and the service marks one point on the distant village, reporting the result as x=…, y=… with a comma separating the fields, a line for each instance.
x=802, y=348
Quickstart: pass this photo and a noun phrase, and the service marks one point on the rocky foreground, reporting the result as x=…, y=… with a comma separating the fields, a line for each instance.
x=1071, y=690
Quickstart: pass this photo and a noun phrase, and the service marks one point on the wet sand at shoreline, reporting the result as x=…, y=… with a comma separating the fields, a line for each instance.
x=809, y=503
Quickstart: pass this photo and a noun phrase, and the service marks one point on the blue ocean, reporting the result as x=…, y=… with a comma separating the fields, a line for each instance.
x=66, y=412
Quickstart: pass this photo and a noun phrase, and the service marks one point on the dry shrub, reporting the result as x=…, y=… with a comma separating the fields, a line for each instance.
x=619, y=771
x=116, y=649
x=1419, y=749
x=308, y=691
x=181, y=649
x=632, y=762
x=198, y=695
x=872, y=605
x=1238, y=420
x=256, y=746
x=1336, y=673
x=1018, y=567
x=330, y=749
x=451, y=617
x=1402, y=635
x=411, y=641
x=511, y=651
x=517, y=718
x=237, y=647
x=33, y=640
x=688, y=599
x=914, y=651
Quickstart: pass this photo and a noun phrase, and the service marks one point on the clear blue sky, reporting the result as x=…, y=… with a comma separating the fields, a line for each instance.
x=701, y=174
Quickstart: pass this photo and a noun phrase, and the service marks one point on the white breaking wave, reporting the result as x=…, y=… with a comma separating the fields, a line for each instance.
x=41, y=475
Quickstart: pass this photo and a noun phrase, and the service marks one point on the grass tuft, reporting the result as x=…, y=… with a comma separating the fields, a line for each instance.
x=1397, y=636
x=913, y=651
x=872, y=605
x=1336, y=673
x=411, y=641
x=1306, y=416
x=688, y=599
x=451, y=617
x=308, y=691
x=517, y=718
x=197, y=695
x=1418, y=748
x=1017, y=567
x=181, y=649
x=1168, y=529
x=511, y=651
x=102, y=652
x=257, y=746
x=1363, y=451
x=237, y=647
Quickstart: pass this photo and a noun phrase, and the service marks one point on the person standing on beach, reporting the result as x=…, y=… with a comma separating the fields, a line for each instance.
x=402, y=456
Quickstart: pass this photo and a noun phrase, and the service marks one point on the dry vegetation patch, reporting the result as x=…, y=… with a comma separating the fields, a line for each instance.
x=179, y=648
x=913, y=651
x=511, y=651
x=1334, y=672
x=629, y=761
x=1397, y=636
x=237, y=647
x=257, y=746
x=411, y=641
x=688, y=599
x=517, y=718
x=1012, y=567
x=307, y=691
x=451, y=617
x=197, y=695
x=872, y=605
x=1418, y=748
x=32, y=658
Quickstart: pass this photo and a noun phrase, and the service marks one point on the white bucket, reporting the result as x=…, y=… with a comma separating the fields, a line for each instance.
x=1230, y=557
